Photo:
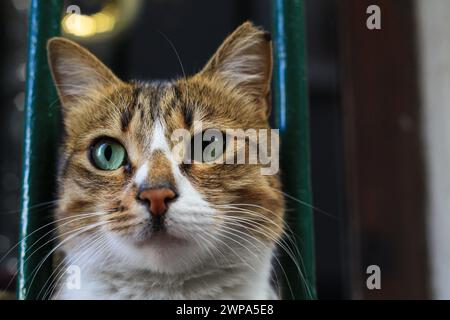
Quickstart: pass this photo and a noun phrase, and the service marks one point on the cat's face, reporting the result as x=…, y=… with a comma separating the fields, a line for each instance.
x=122, y=187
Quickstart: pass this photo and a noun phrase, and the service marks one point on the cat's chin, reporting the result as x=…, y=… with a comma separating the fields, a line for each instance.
x=158, y=252
x=160, y=240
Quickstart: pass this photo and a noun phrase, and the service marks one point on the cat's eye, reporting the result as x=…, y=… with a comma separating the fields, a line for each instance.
x=207, y=146
x=108, y=154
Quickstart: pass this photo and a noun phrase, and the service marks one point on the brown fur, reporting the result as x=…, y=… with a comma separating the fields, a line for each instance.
x=103, y=105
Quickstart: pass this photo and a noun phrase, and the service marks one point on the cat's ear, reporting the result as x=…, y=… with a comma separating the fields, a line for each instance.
x=77, y=73
x=244, y=60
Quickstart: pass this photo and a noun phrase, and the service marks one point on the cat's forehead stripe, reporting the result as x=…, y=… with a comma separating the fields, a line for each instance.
x=157, y=100
x=141, y=109
x=158, y=168
x=141, y=174
x=159, y=141
x=130, y=109
x=149, y=100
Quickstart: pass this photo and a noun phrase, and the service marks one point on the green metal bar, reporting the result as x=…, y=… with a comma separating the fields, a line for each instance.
x=40, y=147
x=291, y=116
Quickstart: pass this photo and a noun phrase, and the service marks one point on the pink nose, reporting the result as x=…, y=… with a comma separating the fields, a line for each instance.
x=157, y=199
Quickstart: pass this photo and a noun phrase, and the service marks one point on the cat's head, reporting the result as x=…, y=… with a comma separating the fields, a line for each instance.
x=122, y=189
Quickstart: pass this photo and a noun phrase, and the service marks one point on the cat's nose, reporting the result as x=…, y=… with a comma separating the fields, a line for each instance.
x=157, y=199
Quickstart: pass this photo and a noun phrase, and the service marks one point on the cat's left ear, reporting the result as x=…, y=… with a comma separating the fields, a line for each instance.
x=77, y=73
x=244, y=61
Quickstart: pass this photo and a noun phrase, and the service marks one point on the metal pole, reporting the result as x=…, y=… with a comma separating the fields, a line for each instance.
x=291, y=116
x=39, y=153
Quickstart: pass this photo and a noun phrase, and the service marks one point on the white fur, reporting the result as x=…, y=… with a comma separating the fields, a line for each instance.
x=243, y=66
x=159, y=141
x=141, y=174
x=192, y=268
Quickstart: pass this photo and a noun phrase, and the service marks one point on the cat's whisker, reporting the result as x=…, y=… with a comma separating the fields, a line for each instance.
x=205, y=246
x=274, y=256
x=239, y=206
x=290, y=197
x=250, y=224
x=75, y=218
x=172, y=46
x=75, y=262
x=70, y=237
x=215, y=238
x=276, y=259
x=174, y=49
x=285, y=247
x=233, y=232
x=309, y=205
x=225, y=232
x=63, y=263
x=285, y=231
x=103, y=247
x=291, y=254
x=285, y=226
x=46, y=243
x=259, y=216
x=36, y=230
x=92, y=241
x=209, y=238
x=40, y=206
x=53, y=103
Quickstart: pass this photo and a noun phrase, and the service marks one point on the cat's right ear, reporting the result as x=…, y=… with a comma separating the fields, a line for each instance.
x=77, y=73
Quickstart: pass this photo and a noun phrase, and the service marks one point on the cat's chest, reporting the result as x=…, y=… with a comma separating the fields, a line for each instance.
x=218, y=284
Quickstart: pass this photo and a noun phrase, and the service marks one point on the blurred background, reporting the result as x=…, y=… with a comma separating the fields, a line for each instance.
x=379, y=109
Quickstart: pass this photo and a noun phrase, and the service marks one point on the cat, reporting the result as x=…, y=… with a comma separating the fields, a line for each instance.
x=133, y=222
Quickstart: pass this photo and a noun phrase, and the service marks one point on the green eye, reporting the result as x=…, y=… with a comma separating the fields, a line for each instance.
x=108, y=154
